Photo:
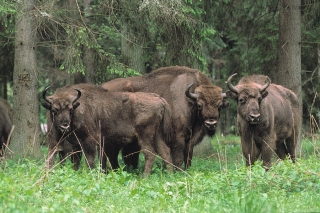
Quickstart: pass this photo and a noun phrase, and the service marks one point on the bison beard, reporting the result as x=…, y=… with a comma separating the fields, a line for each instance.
x=195, y=103
x=268, y=118
x=88, y=117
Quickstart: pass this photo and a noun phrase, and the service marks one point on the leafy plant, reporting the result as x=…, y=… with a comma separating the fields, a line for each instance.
x=219, y=183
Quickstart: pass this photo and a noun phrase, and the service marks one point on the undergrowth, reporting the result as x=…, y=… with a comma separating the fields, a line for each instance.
x=218, y=183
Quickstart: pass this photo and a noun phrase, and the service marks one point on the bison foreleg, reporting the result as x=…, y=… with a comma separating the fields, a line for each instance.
x=178, y=150
x=281, y=150
x=267, y=149
x=188, y=154
x=250, y=152
x=112, y=150
x=90, y=155
x=76, y=157
x=51, y=157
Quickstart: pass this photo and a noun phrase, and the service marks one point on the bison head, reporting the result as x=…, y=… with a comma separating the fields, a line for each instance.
x=210, y=101
x=61, y=107
x=248, y=96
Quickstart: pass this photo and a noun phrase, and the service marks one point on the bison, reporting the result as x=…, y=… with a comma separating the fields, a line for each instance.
x=195, y=102
x=268, y=118
x=5, y=124
x=88, y=116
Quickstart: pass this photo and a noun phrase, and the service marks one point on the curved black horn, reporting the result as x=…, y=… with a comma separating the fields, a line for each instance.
x=230, y=86
x=264, y=87
x=190, y=94
x=44, y=95
x=77, y=96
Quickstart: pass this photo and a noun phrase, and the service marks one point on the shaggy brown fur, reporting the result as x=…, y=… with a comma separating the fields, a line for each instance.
x=5, y=123
x=268, y=119
x=109, y=120
x=193, y=116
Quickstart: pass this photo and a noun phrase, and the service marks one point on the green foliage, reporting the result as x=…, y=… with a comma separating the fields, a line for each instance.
x=220, y=183
x=171, y=32
x=7, y=10
x=310, y=58
x=250, y=31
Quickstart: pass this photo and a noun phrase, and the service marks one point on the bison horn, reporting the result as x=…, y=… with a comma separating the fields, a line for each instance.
x=190, y=94
x=77, y=96
x=224, y=95
x=230, y=86
x=264, y=87
x=44, y=95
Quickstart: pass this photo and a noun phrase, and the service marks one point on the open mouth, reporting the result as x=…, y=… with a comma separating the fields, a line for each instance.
x=211, y=127
x=254, y=120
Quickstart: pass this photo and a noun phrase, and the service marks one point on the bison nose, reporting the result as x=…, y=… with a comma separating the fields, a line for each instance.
x=64, y=126
x=254, y=118
x=211, y=123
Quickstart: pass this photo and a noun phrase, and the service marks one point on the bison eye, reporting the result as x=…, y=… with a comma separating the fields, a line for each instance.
x=242, y=100
x=199, y=106
x=54, y=111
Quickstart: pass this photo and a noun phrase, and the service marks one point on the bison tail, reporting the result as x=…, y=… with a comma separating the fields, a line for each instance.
x=166, y=122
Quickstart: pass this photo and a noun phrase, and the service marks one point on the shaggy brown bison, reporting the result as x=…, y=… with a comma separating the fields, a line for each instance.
x=268, y=118
x=5, y=123
x=195, y=102
x=89, y=116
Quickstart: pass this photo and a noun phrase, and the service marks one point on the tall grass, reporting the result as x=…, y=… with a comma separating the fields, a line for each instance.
x=218, y=183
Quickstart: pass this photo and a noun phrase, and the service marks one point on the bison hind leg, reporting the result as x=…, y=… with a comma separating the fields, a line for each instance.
x=291, y=146
x=149, y=156
x=164, y=151
x=130, y=154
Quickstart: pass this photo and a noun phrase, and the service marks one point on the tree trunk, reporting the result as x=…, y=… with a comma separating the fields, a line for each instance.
x=290, y=46
x=318, y=65
x=25, y=138
x=88, y=54
x=289, y=74
x=132, y=52
x=318, y=114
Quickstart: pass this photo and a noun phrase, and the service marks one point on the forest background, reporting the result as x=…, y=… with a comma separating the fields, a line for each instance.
x=65, y=42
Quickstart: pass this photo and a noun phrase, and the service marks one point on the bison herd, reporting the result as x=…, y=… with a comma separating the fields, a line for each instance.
x=166, y=113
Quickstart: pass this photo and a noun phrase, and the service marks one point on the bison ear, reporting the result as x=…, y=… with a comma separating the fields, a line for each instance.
x=232, y=95
x=46, y=105
x=75, y=105
x=264, y=94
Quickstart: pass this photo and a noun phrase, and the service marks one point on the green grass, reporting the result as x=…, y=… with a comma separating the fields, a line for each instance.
x=219, y=183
